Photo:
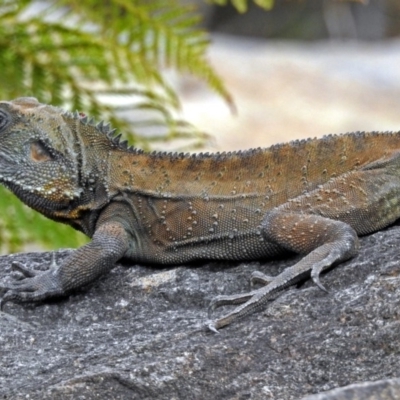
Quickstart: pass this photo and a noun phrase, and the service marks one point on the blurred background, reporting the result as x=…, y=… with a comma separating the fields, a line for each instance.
x=303, y=69
x=194, y=75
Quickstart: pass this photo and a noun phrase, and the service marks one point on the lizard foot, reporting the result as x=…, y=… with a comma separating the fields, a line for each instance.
x=260, y=277
x=247, y=302
x=30, y=285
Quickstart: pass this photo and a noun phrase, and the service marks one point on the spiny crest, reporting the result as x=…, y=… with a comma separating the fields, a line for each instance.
x=106, y=129
x=102, y=127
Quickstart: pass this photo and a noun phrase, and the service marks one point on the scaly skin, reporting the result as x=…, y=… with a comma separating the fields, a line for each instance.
x=312, y=197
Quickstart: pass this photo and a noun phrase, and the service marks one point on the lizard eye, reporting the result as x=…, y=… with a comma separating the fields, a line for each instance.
x=4, y=119
x=39, y=153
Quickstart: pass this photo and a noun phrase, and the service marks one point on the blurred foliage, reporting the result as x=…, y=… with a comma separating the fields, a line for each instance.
x=77, y=53
x=87, y=55
x=21, y=226
x=242, y=5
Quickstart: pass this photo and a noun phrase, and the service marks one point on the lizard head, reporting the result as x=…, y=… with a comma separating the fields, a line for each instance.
x=40, y=157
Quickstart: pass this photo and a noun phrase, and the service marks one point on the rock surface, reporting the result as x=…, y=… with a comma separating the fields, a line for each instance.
x=388, y=389
x=138, y=333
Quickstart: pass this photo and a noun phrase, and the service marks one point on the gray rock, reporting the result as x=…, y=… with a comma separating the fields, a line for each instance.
x=388, y=389
x=138, y=333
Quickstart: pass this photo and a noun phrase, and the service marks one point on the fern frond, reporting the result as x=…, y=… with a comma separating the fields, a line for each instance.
x=242, y=5
x=129, y=47
x=96, y=59
x=159, y=33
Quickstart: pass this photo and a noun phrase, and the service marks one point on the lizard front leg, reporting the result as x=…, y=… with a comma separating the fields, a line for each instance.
x=325, y=242
x=83, y=266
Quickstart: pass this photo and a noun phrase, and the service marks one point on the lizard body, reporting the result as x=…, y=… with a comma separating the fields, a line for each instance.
x=312, y=197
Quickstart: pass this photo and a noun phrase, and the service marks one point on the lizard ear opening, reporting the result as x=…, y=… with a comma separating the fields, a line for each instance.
x=39, y=153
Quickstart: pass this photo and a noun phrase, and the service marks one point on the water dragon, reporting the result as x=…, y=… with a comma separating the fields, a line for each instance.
x=313, y=197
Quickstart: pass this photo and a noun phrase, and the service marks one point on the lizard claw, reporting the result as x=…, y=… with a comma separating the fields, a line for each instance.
x=32, y=286
x=320, y=285
x=210, y=325
x=315, y=273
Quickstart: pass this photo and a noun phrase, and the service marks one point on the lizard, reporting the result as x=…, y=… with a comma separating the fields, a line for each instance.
x=313, y=197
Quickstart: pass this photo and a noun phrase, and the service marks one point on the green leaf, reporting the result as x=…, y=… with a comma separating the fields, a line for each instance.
x=266, y=4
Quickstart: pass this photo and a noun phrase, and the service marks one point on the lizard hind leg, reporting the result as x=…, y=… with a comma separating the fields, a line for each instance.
x=324, y=241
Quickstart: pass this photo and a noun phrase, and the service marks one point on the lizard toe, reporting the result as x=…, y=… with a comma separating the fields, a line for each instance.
x=225, y=300
x=260, y=277
x=13, y=296
x=22, y=271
